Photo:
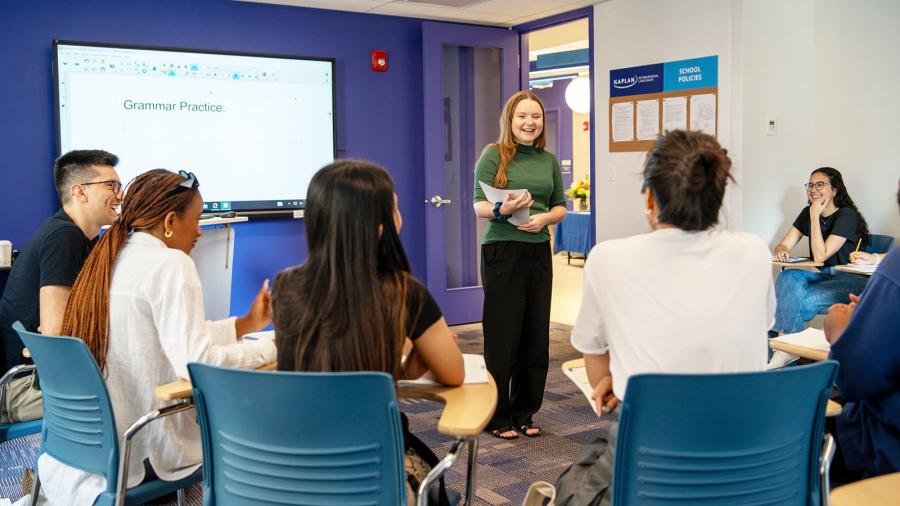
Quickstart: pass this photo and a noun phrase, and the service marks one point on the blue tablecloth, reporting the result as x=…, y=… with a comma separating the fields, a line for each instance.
x=573, y=233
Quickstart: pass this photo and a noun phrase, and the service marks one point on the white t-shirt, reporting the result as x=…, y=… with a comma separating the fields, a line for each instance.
x=677, y=302
x=156, y=326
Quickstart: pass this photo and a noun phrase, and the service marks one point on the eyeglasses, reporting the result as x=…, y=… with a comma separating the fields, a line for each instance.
x=113, y=184
x=190, y=180
x=817, y=186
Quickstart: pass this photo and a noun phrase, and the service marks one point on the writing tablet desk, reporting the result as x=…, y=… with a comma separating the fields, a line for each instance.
x=797, y=265
x=801, y=351
x=878, y=491
x=831, y=409
x=849, y=268
x=467, y=411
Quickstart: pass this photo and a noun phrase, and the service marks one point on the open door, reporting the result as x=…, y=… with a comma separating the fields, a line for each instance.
x=469, y=72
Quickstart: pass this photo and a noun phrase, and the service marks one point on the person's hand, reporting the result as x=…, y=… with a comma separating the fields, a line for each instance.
x=781, y=254
x=414, y=367
x=604, y=397
x=863, y=258
x=260, y=313
x=837, y=319
x=536, y=223
x=513, y=204
x=816, y=207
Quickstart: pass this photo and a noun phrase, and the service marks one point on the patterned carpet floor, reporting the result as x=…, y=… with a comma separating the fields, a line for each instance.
x=505, y=468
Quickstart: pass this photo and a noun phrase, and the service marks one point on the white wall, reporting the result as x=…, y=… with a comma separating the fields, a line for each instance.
x=628, y=33
x=827, y=70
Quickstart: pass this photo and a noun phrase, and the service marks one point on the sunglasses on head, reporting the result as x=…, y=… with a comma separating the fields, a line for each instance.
x=190, y=180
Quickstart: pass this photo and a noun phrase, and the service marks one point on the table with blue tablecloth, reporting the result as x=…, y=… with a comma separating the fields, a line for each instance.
x=573, y=234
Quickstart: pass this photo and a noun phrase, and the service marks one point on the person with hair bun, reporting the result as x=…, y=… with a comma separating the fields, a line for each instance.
x=138, y=305
x=834, y=227
x=684, y=298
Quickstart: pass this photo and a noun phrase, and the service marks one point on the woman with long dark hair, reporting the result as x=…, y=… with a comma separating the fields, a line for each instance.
x=516, y=268
x=354, y=304
x=834, y=227
x=138, y=306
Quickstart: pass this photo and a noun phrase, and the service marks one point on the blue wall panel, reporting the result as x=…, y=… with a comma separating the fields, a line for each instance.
x=379, y=114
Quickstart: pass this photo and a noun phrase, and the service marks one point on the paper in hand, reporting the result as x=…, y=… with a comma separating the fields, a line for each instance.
x=520, y=217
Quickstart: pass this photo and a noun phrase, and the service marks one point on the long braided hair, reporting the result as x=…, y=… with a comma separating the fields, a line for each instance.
x=506, y=142
x=842, y=199
x=148, y=199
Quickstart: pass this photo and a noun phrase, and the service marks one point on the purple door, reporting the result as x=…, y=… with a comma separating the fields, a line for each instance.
x=469, y=72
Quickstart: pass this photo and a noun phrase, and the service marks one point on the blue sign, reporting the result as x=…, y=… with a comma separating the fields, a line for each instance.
x=691, y=74
x=636, y=80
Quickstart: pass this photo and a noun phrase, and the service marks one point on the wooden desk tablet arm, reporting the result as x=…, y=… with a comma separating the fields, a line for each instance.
x=182, y=404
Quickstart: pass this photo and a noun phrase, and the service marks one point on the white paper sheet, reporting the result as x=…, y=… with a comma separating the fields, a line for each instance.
x=623, y=121
x=267, y=335
x=703, y=113
x=520, y=217
x=579, y=376
x=647, y=120
x=862, y=269
x=674, y=113
x=476, y=372
x=809, y=338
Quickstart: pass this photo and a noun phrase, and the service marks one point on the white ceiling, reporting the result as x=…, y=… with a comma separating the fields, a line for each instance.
x=481, y=12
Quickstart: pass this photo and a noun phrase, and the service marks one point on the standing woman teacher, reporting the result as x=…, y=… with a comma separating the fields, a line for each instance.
x=516, y=270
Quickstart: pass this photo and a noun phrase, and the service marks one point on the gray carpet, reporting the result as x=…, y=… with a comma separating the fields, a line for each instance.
x=505, y=468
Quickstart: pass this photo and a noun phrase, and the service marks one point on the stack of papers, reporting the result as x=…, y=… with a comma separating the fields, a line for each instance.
x=520, y=217
x=809, y=338
x=476, y=372
x=862, y=269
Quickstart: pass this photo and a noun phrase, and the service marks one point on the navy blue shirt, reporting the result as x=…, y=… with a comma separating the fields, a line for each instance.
x=868, y=429
x=53, y=255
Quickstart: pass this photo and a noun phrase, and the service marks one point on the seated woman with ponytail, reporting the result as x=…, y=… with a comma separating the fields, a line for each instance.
x=354, y=304
x=138, y=305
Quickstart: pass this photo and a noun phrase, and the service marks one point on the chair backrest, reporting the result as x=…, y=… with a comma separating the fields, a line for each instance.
x=79, y=427
x=747, y=438
x=299, y=438
x=880, y=243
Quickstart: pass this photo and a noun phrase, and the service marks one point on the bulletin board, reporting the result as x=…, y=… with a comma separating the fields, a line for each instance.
x=652, y=99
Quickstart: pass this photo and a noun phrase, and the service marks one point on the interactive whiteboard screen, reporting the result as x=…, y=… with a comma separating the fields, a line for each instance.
x=253, y=128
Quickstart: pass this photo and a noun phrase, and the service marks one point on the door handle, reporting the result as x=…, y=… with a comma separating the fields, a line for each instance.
x=437, y=201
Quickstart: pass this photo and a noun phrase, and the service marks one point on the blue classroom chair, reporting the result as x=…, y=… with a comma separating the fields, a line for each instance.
x=299, y=438
x=18, y=429
x=717, y=439
x=879, y=244
x=79, y=427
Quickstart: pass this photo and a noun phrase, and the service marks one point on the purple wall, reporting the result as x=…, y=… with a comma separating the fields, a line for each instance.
x=379, y=115
x=555, y=99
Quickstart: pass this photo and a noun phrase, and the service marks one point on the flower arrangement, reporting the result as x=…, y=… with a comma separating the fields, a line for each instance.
x=580, y=191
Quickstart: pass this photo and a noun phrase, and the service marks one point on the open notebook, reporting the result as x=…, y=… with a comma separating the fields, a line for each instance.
x=809, y=338
x=476, y=372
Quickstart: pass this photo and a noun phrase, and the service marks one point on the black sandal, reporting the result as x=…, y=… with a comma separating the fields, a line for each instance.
x=530, y=426
x=498, y=433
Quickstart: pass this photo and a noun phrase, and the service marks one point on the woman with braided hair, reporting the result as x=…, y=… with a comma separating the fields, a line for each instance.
x=138, y=305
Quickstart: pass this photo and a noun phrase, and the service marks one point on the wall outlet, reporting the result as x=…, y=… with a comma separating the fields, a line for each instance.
x=771, y=126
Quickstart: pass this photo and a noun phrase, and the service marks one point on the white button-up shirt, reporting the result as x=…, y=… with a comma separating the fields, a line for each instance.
x=157, y=326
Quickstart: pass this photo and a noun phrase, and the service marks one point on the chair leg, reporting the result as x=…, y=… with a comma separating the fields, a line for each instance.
x=35, y=487
x=180, y=495
x=828, y=448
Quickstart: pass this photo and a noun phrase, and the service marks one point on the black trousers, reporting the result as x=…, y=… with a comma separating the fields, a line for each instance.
x=518, y=280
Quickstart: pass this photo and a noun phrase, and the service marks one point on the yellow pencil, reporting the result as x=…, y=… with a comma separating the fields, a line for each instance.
x=857, y=245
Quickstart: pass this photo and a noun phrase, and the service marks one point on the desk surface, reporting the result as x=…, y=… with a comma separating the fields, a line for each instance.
x=850, y=268
x=878, y=491
x=467, y=411
x=800, y=351
x=832, y=409
x=808, y=263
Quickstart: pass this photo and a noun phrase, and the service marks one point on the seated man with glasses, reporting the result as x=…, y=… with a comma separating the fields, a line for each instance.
x=42, y=277
x=835, y=228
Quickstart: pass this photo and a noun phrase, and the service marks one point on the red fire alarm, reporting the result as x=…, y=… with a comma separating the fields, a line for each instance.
x=379, y=60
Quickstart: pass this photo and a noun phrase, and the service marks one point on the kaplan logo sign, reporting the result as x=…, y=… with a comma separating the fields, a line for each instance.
x=624, y=82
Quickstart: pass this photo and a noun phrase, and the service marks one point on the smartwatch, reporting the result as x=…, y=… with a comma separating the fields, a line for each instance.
x=497, y=215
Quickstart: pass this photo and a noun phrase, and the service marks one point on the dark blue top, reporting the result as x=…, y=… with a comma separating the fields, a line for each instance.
x=869, y=376
x=53, y=255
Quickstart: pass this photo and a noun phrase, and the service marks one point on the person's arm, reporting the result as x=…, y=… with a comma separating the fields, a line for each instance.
x=52, y=304
x=259, y=315
x=437, y=349
x=782, y=250
x=541, y=220
x=601, y=380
